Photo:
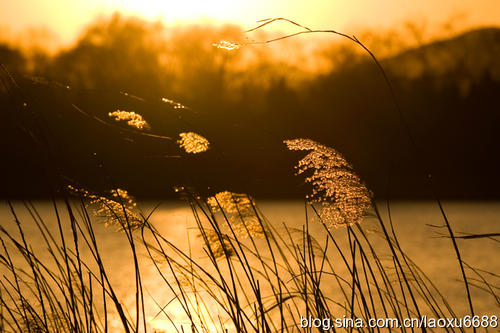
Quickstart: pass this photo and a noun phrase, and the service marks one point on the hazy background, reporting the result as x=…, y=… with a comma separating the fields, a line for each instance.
x=65, y=20
x=70, y=64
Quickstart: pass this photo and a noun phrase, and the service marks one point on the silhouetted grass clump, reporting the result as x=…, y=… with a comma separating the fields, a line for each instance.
x=252, y=275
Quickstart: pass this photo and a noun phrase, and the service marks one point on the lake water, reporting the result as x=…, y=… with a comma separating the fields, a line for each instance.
x=433, y=253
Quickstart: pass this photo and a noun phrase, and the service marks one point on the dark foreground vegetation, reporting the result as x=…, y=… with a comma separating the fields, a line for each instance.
x=246, y=275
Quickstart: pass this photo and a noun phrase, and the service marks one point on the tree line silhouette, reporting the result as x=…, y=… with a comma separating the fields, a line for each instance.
x=246, y=102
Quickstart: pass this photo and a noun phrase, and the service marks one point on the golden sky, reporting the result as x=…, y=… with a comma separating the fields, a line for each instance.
x=65, y=18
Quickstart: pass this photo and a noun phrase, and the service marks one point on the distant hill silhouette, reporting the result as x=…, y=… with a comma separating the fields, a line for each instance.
x=472, y=55
x=448, y=92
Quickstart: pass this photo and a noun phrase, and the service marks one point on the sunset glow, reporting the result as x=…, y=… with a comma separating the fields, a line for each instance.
x=66, y=19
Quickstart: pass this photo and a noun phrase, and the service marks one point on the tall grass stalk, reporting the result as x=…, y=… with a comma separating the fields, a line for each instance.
x=404, y=123
x=243, y=282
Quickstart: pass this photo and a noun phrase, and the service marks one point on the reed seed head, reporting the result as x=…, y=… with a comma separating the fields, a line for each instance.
x=119, y=209
x=133, y=119
x=240, y=212
x=193, y=143
x=223, y=44
x=342, y=196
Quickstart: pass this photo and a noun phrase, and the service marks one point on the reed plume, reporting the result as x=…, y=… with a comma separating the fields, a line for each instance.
x=133, y=119
x=220, y=245
x=239, y=211
x=193, y=143
x=119, y=209
x=223, y=44
x=342, y=196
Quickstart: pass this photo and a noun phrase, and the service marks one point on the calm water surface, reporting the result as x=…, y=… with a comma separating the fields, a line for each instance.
x=423, y=243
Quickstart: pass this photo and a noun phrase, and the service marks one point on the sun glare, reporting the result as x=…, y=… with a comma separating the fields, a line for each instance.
x=66, y=19
x=188, y=10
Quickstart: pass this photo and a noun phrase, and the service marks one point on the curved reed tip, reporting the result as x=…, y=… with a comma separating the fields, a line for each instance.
x=175, y=104
x=133, y=119
x=223, y=44
x=193, y=143
x=341, y=195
